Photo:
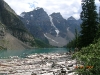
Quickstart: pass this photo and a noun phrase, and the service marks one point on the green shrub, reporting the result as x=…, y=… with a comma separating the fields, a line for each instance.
x=91, y=57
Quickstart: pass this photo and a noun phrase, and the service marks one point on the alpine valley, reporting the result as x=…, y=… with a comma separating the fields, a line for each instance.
x=52, y=29
x=34, y=29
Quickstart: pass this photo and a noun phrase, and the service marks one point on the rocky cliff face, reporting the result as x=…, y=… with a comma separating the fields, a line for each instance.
x=12, y=25
x=50, y=27
x=4, y=5
x=37, y=22
x=74, y=24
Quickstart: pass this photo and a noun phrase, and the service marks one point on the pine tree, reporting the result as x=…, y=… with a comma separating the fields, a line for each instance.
x=76, y=37
x=89, y=25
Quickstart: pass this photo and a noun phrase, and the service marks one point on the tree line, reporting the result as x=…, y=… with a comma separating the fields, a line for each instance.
x=88, y=40
x=90, y=26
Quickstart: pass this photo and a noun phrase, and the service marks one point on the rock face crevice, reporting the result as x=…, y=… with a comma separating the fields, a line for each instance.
x=2, y=30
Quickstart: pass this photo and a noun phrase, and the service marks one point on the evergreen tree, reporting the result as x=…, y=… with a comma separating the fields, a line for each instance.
x=89, y=25
x=76, y=37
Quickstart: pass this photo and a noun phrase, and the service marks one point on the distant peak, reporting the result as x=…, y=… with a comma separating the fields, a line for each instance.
x=57, y=15
x=22, y=14
x=71, y=18
x=37, y=8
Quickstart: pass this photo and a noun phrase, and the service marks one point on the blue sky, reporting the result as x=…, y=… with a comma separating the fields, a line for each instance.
x=66, y=7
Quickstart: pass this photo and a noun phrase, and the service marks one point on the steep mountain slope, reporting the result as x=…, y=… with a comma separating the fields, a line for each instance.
x=12, y=43
x=74, y=24
x=49, y=27
x=37, y=22
x=13, y=29
x=56, y=41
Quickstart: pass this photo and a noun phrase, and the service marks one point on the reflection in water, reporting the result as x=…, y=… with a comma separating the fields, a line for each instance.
x=24, y=53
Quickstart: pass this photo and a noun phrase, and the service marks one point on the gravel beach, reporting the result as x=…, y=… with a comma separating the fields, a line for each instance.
x=39, y=64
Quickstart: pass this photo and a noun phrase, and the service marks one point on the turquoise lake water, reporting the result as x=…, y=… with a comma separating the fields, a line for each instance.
x=24, y=53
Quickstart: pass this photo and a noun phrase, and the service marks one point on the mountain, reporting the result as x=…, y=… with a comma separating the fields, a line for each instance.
x=37, y=22
x=52, y=29
x=74, y=24
x=13, y=33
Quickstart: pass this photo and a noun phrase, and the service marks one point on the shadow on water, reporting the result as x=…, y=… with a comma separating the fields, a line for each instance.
x=24, y=53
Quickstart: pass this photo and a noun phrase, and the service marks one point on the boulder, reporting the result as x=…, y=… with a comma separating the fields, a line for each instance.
x=33, y=73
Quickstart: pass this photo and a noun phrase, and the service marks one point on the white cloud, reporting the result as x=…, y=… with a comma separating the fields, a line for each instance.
x=66, y=7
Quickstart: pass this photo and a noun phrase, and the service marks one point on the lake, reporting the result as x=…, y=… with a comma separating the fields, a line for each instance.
x=24, y=53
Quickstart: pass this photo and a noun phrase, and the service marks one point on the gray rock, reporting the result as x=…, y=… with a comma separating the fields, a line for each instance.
x=33, y=73
x=70, y=65
x=70, y=71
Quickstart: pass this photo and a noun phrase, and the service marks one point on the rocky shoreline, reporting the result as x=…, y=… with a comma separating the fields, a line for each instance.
x=39, y=64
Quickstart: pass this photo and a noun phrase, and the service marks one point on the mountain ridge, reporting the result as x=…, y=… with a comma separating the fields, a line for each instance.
x=39, y=23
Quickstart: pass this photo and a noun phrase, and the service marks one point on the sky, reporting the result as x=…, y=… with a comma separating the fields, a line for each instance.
x=67, y=8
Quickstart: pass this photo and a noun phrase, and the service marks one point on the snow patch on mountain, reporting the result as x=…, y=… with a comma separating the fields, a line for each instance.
x=52, y=24
x=37, y=8
x=22, y=15
x=57, y=31
x=68, y=29
x=27, y=21
x=56, y=41
x=51, y=39
x=31, y=15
